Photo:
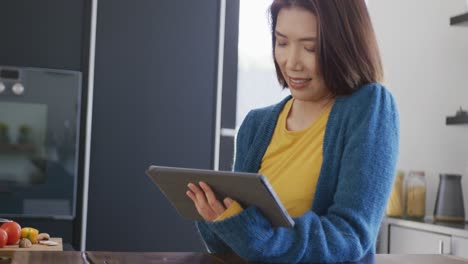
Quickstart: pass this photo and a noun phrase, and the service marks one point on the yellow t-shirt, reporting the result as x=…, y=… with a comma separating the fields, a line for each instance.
x=292, y=163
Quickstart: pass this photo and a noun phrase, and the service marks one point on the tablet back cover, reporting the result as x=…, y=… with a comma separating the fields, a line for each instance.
x=246, y=188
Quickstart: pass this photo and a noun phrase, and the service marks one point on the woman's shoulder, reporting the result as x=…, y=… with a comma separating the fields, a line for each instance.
x=371, y=101
x=368, y=98
x=368, y=94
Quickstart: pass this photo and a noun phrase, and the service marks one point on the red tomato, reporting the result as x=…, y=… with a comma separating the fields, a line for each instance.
x=3, y=238
x=13, y=230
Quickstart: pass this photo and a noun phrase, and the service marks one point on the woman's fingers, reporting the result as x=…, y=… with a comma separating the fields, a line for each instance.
x=201, y=203
x=216, y=205
x=199, y=194
x=227, y=202
x=192, y=196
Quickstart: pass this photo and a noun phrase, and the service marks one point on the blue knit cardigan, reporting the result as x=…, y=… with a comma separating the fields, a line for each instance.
x=360, y=152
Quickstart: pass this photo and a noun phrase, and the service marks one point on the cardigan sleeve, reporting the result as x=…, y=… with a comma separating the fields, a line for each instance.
x=348, y=230
x=212, y=241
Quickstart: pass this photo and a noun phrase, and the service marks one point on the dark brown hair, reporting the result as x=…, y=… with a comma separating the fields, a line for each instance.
x=347, y=51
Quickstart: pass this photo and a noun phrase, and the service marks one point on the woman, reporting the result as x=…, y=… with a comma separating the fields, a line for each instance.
x=329, y=150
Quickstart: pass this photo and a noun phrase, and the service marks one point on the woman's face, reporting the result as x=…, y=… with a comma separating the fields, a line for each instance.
x=295, y=53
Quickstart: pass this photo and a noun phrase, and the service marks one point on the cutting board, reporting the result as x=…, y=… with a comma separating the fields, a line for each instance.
x=37, y=247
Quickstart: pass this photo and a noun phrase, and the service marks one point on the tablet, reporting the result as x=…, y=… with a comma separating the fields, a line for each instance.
x=248, y=189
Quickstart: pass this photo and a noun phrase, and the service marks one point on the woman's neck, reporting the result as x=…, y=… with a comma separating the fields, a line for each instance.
x=304, y=113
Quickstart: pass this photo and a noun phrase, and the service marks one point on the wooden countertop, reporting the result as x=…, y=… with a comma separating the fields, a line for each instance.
x=37, y=247
x=24, y=257
x=153, y=257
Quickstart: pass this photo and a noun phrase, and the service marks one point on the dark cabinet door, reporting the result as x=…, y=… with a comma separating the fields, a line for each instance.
x=154, y=103
x=44, y=34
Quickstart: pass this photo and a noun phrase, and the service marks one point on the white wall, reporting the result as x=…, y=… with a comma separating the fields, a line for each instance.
x=426, y=68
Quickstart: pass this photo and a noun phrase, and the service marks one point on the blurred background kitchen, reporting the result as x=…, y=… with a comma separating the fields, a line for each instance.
x=94, y=91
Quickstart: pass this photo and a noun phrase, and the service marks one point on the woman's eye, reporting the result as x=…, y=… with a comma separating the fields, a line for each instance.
x=281, y=44
x=310, y=49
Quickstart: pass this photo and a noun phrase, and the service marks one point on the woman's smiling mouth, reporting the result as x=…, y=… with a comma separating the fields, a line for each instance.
x=298, y=82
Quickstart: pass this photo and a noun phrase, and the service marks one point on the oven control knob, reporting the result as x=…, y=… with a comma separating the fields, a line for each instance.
x=18, y=89
x=2, y=87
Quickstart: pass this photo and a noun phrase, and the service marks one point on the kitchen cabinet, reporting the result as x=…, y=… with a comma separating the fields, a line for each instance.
x=154, y=99
x=460, y=246
x=44, y=34
x=51, y=34
x=154, y=103
x=404, y=240
x=402, y=236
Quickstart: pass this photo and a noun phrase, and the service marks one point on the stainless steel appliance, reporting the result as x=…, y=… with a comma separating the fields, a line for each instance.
x=39, y=137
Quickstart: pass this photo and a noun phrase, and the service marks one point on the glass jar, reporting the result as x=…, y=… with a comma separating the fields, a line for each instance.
x=416, y=195
x=395, y=203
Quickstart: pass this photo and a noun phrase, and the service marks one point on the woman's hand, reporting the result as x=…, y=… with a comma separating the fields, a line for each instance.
x=205, y=201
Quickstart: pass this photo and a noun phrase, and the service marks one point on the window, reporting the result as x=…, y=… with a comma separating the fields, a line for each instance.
x=257, y=85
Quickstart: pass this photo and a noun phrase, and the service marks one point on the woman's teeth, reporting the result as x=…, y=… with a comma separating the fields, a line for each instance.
x=298, y=81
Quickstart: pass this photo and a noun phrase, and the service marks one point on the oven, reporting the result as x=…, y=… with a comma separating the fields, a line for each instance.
x=39, y=139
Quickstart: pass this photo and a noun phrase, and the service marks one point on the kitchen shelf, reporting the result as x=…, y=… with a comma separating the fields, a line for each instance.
x=460, y=20
x=456, y=120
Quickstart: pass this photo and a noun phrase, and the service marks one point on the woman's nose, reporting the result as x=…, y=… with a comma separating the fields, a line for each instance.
x=294, y=62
